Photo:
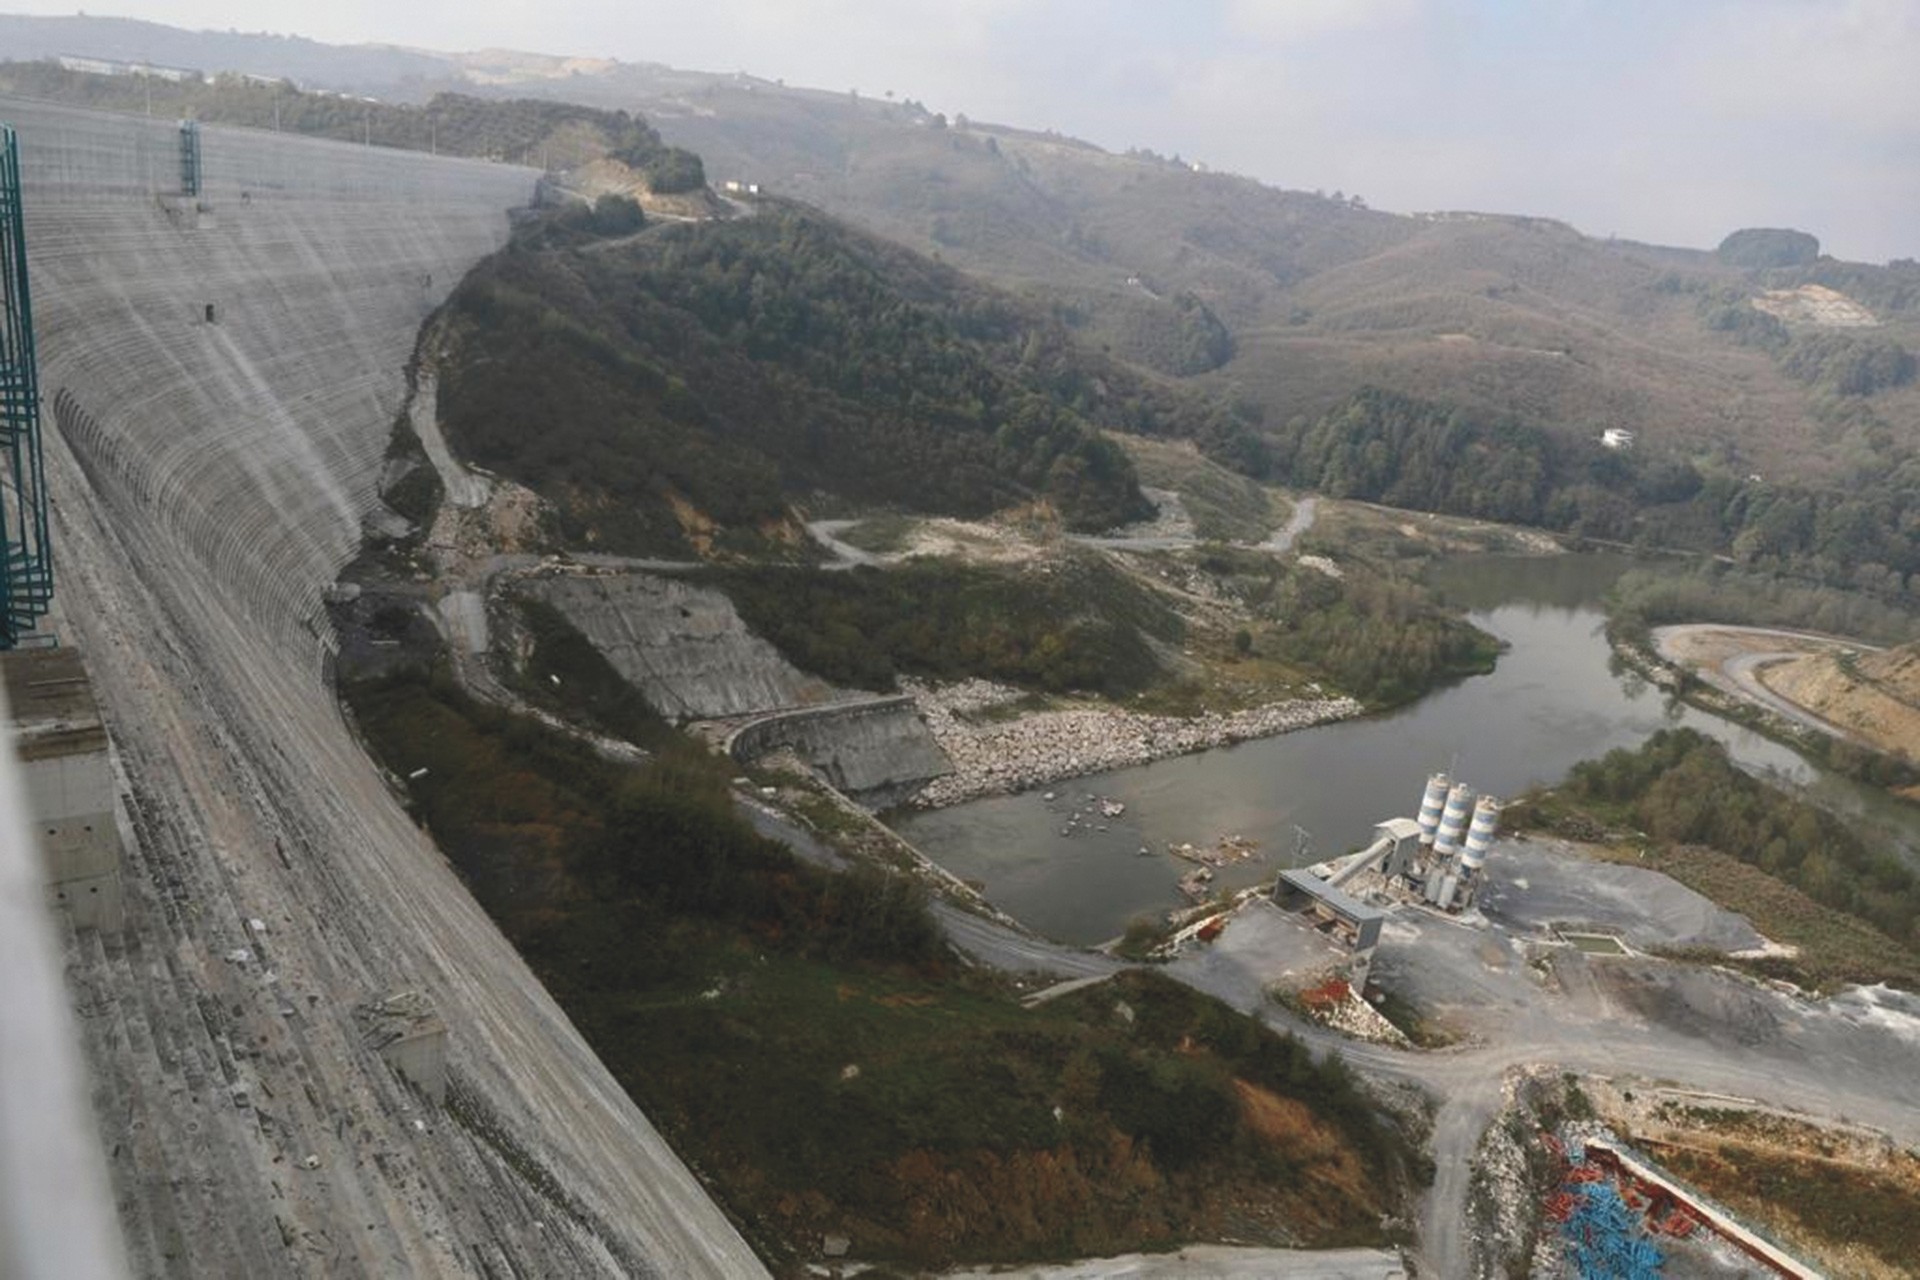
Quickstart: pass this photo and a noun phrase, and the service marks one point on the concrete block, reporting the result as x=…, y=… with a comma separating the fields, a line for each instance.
x=407, y=1033
x=63, y=748
x=80, y=847
x=91, y=902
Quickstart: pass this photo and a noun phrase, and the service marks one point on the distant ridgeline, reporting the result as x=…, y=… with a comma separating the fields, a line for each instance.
x=520, y=131
x=690, y=383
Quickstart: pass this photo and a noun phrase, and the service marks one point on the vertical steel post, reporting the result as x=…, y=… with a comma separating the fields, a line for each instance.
x=189, y=157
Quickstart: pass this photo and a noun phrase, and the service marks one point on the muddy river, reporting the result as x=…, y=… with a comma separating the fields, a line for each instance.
x=1070, y=871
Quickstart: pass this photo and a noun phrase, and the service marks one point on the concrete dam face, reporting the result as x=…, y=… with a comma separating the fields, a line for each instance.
x=221, y=374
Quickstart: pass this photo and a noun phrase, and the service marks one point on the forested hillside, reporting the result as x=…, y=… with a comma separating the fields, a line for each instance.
x=1317, y=296
x=1415, y=453
x=680, y=388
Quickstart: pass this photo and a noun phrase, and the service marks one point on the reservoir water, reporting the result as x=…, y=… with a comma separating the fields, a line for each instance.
x=1555, y=698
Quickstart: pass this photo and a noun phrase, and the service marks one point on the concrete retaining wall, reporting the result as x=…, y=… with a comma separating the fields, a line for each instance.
x=683, y=646
x=864, y=748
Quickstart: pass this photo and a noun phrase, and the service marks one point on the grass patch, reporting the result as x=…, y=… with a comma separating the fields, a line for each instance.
x=1080, y=626
x=1225, y=506
x=1843, y=1208
x=880, y=535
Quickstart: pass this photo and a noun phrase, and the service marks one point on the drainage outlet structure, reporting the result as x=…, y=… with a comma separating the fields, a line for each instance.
x=26, y=561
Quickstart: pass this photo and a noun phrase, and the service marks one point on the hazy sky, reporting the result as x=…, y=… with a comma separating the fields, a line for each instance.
x=1670, y=120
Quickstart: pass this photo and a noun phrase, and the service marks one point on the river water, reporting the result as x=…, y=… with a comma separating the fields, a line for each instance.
x=1554, y=699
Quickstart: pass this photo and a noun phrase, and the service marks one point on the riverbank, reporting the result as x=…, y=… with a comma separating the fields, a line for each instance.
x=1735, y=694
x=995, y=757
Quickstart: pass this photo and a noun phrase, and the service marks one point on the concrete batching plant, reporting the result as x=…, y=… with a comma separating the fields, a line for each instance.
x=1437, y=859
x=1454, y=848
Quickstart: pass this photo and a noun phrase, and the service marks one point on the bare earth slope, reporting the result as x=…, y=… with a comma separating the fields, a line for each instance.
x=209, y=479
x=1874, y=695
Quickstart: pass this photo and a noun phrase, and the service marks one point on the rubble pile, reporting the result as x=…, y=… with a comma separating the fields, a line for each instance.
x=991, y=757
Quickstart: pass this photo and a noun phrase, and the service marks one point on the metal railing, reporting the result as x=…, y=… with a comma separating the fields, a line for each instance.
x=26, y=560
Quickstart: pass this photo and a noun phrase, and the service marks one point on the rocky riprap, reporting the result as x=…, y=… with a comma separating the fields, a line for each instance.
x=993, y=757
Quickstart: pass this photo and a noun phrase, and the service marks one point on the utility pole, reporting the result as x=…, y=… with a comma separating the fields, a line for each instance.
x=147, y=82
x=433, y=136
x=276, y=115
x=367, y=138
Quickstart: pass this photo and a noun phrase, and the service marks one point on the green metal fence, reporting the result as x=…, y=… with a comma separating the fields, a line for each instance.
x=26, y=572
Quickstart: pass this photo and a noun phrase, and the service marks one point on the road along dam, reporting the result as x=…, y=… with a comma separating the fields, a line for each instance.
x=221, y=373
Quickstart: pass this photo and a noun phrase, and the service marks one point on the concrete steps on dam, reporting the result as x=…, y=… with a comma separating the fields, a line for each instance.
x=208, y=482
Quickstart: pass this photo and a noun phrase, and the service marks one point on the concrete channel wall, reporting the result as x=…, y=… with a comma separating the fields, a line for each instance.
x=877, y=746
x=209, y=478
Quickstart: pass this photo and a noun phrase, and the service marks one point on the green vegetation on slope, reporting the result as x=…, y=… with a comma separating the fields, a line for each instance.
x=1079, y=626
x=1082, y=624
x=520, y=131
x=1681, y=789
x=1225, y=506
x=1838, y=363
x=1758, y=248
x=714, y=372
x=1853, y=1210
x=1655, y=595
x=1373, y=634
x=1412, y=453
x=805, y=1038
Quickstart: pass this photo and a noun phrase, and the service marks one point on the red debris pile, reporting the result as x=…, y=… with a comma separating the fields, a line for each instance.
x=1333, y=992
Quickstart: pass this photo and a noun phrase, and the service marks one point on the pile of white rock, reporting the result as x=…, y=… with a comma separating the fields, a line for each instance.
x=992, y=757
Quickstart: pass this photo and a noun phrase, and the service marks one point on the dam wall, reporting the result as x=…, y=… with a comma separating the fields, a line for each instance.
x=209, y=477
x=253, y=438
x=879, y=747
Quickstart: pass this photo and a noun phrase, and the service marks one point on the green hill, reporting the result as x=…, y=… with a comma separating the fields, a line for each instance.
x=690, y=382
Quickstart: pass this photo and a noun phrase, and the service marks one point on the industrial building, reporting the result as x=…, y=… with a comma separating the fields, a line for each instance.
x=1436, y=859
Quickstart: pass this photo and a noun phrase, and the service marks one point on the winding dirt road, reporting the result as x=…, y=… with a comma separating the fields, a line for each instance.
x=1731, y=658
